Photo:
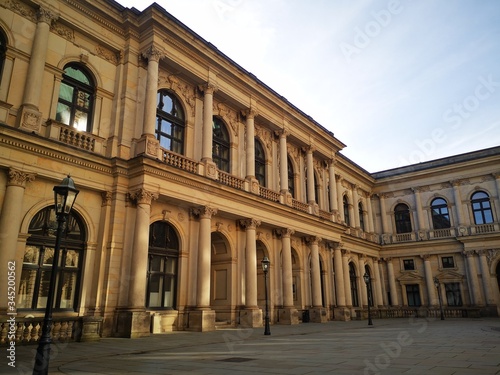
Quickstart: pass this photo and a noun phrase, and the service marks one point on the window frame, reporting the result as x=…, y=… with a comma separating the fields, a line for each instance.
x=409, y=264
x=440, y=214
x=44, y=239
x=402, y=219
x=260, y=162
x=77, y=87
x=446, y=264
x=481, y=206
x=221, y=144
x=175, y=118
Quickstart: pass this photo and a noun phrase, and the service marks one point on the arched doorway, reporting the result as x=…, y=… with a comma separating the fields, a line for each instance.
x=38, y=259
x=221, y=300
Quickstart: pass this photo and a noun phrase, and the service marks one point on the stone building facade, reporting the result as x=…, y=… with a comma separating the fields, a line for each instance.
x=191, y=171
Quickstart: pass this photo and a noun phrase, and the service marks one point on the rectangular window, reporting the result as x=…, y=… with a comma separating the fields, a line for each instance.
x=408, y=264
x=453, y=295
x=448, y=262
x=413, y=295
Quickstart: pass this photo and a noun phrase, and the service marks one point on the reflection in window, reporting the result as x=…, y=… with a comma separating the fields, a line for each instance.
x=347, y=218
x=220, y=145
x=440, y=214
x=291, y=177
x=162, y=270
x=170, y=122
x=402, y=218
x=76, y=98
x=481, y=208
x=260, y=163
x=39, y=257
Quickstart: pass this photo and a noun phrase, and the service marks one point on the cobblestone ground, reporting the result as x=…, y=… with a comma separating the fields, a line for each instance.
x=392, y=346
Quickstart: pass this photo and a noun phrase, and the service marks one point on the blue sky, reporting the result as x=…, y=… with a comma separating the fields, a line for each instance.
x=399, y=82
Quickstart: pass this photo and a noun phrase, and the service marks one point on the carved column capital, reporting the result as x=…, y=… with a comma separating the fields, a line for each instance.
x=286, y=232
x=142, y=196
x=204, y=212
x=250, y=223
x=46, y=15
x=19, y=178
x=313, y=240
x=153, y=53
x=208, y=88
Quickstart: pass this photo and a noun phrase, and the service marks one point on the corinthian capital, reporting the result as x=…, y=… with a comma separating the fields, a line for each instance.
x=142, y=196
x=18, y=178
x=250, y=223
x=204, y=212
x=153, y=53
x=46, y=15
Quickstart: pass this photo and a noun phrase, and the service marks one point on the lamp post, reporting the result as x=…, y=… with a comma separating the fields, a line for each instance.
x=366, y=278
x=265, y=267
x=436, y=283
x=64, y=197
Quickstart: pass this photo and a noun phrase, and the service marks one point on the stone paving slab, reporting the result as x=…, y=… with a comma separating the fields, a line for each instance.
x=390, y=346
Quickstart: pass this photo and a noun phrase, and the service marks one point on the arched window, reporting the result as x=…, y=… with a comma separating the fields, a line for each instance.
x=3, y=51
x=220, y=145
x=76, y=98
x=440, y=214
x=170, y=122
x=402, y=218
x=370, y=286
x=260, y=163
x=354, y=284
x=162, y=270
x=38, y=259
x=347, y=218
x=291, y=178
x=361, y=216
x=481, y=208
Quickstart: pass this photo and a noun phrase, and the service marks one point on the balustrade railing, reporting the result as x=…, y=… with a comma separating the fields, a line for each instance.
x=180, y=161
x=269, y=194
x=230, y=180
x=300, y=206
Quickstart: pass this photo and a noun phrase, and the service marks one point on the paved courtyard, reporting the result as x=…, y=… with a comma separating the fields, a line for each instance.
x=392, y=346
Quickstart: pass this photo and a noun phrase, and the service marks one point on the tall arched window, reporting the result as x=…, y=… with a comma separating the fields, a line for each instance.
x=3, y=51
x=162, y=271
x=291, y=178
x=354, y=285
x=76, y=98
x=38, y=259
x=170, y=122
x=260, y=163
x=402, y=218
x=220, y=145
x=347, y=218
x=440, y=214
x=361, y=216
x=481, y=208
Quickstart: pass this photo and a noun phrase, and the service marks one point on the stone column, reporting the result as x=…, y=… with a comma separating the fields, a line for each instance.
x=475, y=291
x=30, y=118
x=138, y=317
x=149, y=144
x=368, y=203
x=252, y=315
x=429, y=281
x=458, y=203
x=317, y=313
x=311, y=191
x=339, y=275
x=250, y=151
x=208, y=102
x=383, y=214
x=378, y=283
x=10, y=222
x=203, y=319
x=283, y=163
x=347, y=278
x=392, y=282
x=485, y=272
x=363, y=288
x=340, y=201
x=332, y=187
x=355, y=203
x=288, y=315
x=421, y=222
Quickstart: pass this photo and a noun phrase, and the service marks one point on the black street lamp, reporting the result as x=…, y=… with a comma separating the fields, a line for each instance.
x=64, y=197
x=366, y=278
x=265, y=267
x=436, y=283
